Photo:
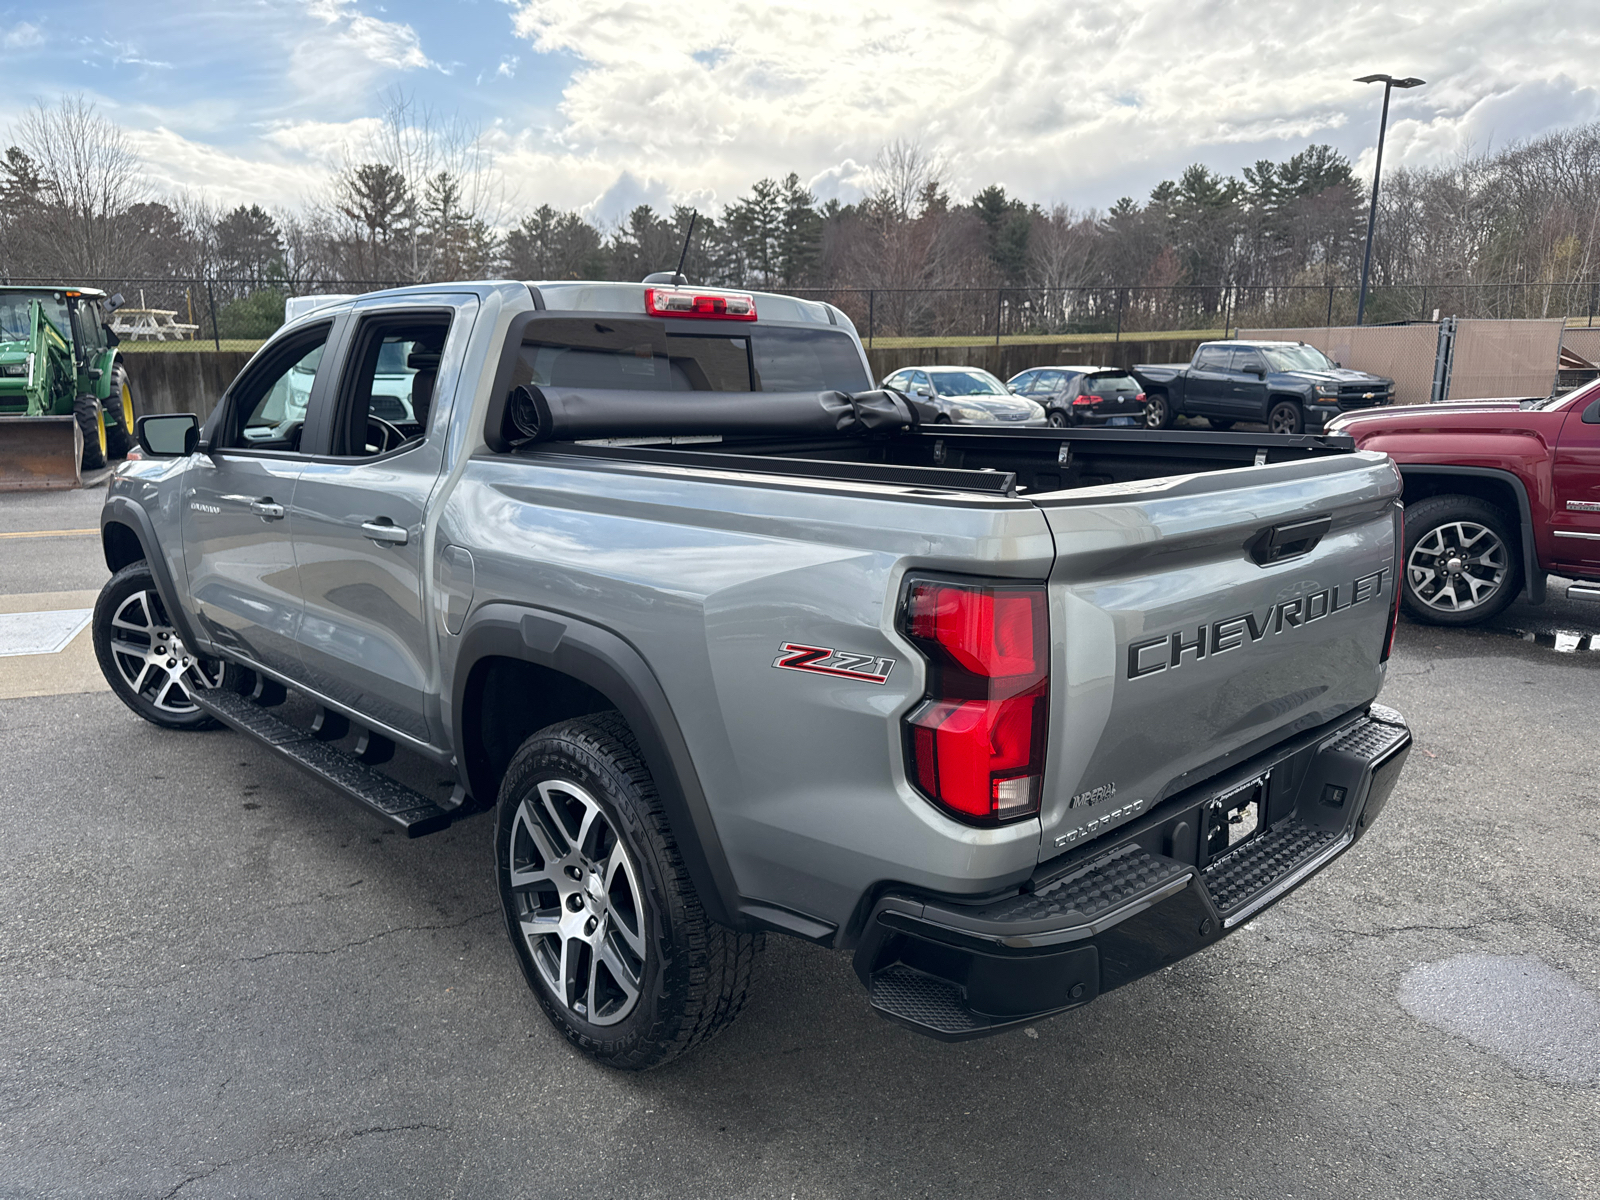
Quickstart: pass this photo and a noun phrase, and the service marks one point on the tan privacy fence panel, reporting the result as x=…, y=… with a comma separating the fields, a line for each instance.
x=1403, y=353
x=1505, y=358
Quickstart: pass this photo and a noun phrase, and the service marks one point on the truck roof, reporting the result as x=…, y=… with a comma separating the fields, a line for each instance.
x=579, y=295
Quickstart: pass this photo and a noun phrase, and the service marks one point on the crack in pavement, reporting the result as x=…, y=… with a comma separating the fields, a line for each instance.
x=478, y=916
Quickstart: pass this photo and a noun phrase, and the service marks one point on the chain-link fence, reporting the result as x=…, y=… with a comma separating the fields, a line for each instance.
x=174, y=313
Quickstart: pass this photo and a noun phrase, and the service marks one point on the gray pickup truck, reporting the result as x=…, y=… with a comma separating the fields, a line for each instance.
x=731, y=645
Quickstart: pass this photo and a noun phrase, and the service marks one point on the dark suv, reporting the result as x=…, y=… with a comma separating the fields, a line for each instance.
x=1083, y=395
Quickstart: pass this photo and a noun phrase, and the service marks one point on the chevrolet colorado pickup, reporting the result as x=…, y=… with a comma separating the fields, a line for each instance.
x=1497, y=494
x=1288, y=386
x=732, y=645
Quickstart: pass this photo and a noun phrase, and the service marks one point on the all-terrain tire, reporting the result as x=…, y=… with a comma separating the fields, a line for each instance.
x=1463, y=560
x=86, y=411
x=693, y=975
x=147, y=665
x=1157, y=411
x=123, y=401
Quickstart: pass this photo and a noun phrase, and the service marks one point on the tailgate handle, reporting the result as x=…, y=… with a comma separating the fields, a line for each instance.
x=1282, y=542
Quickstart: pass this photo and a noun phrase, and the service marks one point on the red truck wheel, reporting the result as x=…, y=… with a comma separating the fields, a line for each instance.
x=1462, y=561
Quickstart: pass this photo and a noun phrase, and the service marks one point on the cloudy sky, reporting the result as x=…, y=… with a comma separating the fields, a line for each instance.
x=601, y=104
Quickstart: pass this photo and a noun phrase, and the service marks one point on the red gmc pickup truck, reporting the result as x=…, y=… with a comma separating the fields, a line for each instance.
x=1497, y=494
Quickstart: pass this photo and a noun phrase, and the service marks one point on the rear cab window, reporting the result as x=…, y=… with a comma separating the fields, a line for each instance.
x=655, y=355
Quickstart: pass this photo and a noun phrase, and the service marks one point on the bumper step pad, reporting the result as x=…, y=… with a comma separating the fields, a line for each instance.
x=1104, y=884
x=924, y=1002
x=410, y=810
x=1253, y=868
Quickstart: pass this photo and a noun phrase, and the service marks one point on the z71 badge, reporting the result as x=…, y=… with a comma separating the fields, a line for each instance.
x=820, y=660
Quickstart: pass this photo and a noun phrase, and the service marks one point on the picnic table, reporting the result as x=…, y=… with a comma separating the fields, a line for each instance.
x=150, y=325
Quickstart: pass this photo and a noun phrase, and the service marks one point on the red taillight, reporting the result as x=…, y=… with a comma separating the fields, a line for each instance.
x=1399, y=581
x=1139, y=399
x=976, y=743
x=721, y=306
x=1085, y=399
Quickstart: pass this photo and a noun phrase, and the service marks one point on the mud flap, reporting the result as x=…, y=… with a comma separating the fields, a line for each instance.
x=40, y=453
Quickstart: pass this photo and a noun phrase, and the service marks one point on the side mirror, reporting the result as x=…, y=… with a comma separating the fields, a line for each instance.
x=922, y=391
x=1337, y=364
x=114, y=303
x=168, y=435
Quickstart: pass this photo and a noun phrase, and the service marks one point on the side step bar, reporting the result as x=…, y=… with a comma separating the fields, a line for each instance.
x=1583, y=590
x=394, y=802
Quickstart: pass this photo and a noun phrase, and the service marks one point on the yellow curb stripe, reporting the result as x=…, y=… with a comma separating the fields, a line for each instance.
x=38, y=533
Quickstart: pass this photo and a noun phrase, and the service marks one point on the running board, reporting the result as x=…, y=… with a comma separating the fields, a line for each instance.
x=377, y=793
x=1583, y=590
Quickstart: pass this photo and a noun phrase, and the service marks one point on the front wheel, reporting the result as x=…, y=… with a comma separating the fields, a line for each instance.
x=1157, y=412
x=143, y=658
x=1461, y=564
x=605, y=921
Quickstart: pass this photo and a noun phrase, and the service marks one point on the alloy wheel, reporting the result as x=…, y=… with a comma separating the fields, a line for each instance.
x=1457, y=566
x=152, y=659
x=579, y=905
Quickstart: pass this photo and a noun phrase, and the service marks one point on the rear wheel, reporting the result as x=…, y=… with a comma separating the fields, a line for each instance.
x=1157, y=412
x=91, y=420
x=605, y=921
x=119, y=440
x=1058, y=419
x=143, y=658
x=1285, y=418
x=1461, y=561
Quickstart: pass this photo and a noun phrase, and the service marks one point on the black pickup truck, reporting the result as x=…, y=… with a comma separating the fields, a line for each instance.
x=1288, y=386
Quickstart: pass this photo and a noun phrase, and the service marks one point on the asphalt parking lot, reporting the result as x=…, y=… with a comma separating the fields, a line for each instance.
x=221, y=980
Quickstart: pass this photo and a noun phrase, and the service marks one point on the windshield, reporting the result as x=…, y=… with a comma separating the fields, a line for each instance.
x=1297, y=358
x=14, y=313
x=967, y=383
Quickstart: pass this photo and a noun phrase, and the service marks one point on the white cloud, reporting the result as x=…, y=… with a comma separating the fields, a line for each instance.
x=343, y=58
x=174, y=164
x=1073, y=102
x=21, y=37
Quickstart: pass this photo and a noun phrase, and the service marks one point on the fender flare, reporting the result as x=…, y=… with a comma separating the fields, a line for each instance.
x=608, y=664
x=1532, y=578
x=119, y=510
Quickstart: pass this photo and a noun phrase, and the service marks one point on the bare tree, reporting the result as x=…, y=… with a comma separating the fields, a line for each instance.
x=89, y=177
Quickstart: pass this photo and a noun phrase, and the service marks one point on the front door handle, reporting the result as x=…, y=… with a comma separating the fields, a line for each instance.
x=385, y=530
x=266, y=509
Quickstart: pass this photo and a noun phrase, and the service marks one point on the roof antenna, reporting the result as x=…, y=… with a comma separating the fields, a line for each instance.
x=684, y=257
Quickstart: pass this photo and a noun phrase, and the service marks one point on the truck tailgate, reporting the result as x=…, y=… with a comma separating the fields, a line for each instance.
x=1198, y=619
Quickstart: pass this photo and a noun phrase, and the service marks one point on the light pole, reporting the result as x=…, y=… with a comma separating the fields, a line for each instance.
x=1389, y=82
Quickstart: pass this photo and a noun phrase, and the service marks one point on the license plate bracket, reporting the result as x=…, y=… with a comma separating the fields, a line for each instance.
x=1235, y=817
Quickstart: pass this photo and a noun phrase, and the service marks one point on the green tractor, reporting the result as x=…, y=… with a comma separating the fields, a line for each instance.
x=66, y=403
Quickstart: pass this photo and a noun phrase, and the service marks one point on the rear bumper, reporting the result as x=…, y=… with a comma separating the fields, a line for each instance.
x=1078, y=929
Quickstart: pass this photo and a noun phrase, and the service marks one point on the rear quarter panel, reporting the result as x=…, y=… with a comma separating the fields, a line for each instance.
x=709, y=576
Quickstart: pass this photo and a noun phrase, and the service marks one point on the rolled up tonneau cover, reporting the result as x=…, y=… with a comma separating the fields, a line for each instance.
x=533, y=414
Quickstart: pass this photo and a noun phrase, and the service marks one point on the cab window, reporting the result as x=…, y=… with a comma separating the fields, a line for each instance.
x=267, y=410
x=386, y=397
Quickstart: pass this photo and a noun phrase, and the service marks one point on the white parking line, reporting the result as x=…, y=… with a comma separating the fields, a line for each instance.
x=40, y=632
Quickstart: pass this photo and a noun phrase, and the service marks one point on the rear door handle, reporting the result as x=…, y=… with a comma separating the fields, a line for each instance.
x=385, y=530
x=266, y=509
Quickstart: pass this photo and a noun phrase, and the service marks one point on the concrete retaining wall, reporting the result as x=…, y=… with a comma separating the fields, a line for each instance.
x=173, y=381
